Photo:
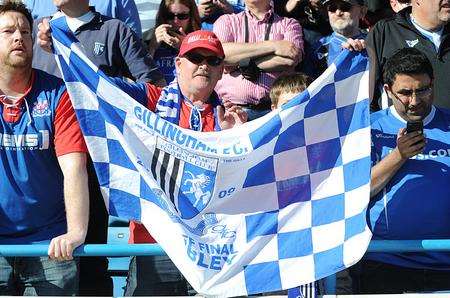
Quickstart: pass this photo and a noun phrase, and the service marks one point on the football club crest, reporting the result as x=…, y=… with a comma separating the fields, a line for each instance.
x=186, y=178
x=196, y=189
x=99, y=48
x=41, y=108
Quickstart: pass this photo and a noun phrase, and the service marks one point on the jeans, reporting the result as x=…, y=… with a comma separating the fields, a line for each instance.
x=38, y=276
x=377, y=278
x=155, y=276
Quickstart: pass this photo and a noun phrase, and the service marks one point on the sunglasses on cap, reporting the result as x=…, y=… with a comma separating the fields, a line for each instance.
x=341, y=5
x=180, y=16
x=198, y=58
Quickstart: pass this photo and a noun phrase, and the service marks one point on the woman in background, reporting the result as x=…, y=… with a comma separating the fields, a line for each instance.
x=174, y=20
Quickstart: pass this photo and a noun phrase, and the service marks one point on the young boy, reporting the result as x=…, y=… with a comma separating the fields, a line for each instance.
x=287, y=87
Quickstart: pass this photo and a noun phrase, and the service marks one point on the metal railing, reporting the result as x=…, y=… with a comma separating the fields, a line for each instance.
x=124, y=250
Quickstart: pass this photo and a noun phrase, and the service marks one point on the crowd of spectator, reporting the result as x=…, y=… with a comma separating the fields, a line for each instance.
x=218, y=64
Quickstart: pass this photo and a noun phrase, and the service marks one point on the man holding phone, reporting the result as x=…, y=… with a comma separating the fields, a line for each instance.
x=409, y=180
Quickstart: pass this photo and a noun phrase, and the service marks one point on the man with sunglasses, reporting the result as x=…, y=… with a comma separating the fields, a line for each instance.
x=424, y=26
x=190, y=102
x=409, y=180
x=344, y=17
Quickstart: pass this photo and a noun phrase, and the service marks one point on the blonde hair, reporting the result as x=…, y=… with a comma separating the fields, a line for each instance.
x=288, y=83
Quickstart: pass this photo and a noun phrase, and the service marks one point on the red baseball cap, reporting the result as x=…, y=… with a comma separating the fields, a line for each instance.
x=201, y=39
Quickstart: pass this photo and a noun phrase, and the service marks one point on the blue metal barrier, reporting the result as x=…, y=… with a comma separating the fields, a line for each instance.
x=123, y=250
x=88, y=250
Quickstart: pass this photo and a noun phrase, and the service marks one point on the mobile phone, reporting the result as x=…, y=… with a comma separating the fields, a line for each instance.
x=173, y=31
x=414, y=126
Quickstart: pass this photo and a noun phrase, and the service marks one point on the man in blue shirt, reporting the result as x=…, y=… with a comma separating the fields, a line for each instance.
x=410, y=179
x=43, y=177
x=344, y=17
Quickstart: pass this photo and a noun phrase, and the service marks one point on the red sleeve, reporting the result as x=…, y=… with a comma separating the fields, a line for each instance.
x=153, y=93
x=68, y=136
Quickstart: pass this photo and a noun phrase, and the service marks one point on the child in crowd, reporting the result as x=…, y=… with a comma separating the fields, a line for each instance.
x=287, y=87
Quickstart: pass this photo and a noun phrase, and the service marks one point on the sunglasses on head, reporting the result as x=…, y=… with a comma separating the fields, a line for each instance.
x=198, y=58
x=342, y=6
x=180, y=16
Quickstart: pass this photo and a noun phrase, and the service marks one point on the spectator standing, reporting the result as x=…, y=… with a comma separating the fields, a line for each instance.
x=423, y=26
x=199, y=65
x=409, y=180
x=124, y=10
x=344, y=17
x=43, y=185
x=108, y=43
x=259, y=46
x=211, y=10
x=174, y=20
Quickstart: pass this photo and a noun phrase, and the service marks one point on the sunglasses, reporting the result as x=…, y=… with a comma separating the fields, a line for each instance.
x=198, y=58
x=342, y=6
x=180, y=16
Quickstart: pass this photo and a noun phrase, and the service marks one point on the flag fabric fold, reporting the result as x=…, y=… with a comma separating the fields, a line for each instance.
x=275, y=203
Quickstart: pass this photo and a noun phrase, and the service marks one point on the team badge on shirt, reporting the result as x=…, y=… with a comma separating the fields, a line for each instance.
x=412, y=43
x=99, y=48
x=41, y=108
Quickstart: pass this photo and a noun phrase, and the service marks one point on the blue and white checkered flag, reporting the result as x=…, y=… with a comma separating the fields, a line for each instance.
x=273, y=204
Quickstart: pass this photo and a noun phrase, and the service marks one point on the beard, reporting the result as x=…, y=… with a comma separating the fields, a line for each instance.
x=13, y=61
x=345, y=27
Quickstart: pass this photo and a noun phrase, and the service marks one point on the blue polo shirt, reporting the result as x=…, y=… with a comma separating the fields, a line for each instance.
x=416, y=202
x=110, y=45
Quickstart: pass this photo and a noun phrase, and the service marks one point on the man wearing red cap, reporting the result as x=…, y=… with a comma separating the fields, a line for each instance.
x=190, y=102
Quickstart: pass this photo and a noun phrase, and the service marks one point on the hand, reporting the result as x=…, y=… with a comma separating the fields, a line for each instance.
x=354, y=45
x=224, y=6
x=410, y=144
x=172, y=39
x=61, y=247
x=230, y=115
x=285, y=48
x=205, y=8
x=44, y=35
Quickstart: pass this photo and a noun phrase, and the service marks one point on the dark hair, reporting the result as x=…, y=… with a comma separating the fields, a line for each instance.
x=17, y=6
x=408, y=61
x=194, y=17
x=289, y=83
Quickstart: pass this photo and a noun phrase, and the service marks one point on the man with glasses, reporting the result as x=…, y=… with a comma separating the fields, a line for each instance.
x=424, y=26
x=344, y=17
x=190, y=102
x=409, y=181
